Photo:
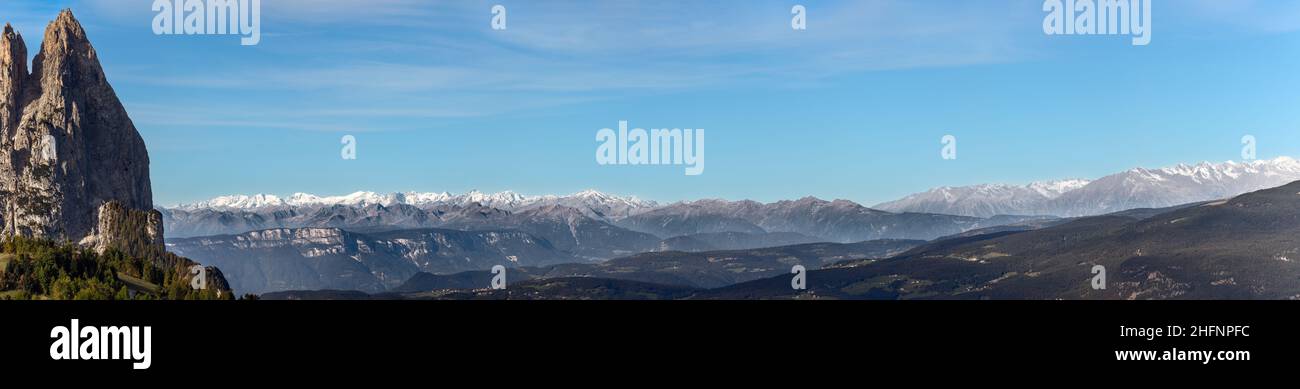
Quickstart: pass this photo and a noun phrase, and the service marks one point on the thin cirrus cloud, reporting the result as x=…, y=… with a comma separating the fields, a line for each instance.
x=397, y=53
x=589, y=46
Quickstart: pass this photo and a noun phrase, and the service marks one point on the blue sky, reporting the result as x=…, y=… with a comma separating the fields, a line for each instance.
x=853, y=107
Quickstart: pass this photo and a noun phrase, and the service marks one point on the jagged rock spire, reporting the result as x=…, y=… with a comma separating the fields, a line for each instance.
x=67, y=146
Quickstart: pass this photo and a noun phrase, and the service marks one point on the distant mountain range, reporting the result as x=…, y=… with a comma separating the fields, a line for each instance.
x=597, y=204
x=590, y=224
x=1241, y=248
x=376, y=243
x=1135, y=188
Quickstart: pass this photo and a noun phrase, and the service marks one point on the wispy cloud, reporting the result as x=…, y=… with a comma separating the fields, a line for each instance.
x=433, y=60
x=395, y=53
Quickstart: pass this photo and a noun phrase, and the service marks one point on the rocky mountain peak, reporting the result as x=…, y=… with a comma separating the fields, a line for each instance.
x=70, y=157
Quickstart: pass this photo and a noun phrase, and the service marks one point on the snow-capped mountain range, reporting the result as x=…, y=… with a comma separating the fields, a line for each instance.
x=588, y=200
x=986, y=200
x=1135, y=188
x=919, y=216
x=590, y=224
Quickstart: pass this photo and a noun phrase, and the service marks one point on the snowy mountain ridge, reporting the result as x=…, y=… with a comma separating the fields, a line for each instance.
x=506, y=200
x=1134, y=188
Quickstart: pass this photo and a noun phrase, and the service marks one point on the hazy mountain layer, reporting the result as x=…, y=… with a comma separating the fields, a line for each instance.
x=1243, y=248
x=330, y=258
x=696, y=270
x=576, y=230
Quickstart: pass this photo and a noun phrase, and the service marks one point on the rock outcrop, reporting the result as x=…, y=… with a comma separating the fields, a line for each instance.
x=71, y=161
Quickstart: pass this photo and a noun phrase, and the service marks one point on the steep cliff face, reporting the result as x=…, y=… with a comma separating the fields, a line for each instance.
x=67, y=148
